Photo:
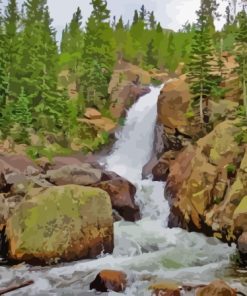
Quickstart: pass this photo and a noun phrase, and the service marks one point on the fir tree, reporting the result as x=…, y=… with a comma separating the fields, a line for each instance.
x=136, y=17
x=120, y=37
x=152, y=21
x=98, y=54
x=21, y=119
x=64, y=45
x=241, y=53
x=199, y=66
x=3, y=69
x=11, y=24
x=150, y=57
x=22, y=113
x=143, y=13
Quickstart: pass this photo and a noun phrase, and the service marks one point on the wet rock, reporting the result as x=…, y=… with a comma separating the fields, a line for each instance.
x=109, y=280
x=165, y=288
x=242, y=247
x=61, y=223
x=216, y=288
x=122, y=194
x=83, y=174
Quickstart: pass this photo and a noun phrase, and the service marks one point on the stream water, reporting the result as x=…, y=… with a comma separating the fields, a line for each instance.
x=147, y=250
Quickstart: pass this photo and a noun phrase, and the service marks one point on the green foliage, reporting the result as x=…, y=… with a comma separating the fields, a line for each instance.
x=49, y=151
x=241, y=137
x=98, y=55
x=231, y=168
x=201, y=82
x=217, y=200
x=241, y=54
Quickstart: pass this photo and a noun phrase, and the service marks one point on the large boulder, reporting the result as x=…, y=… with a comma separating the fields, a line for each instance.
x=83, y=174
x=122, y=194
x=201, y=190
x=61, y=224
x=216, y=288
x=109, y=280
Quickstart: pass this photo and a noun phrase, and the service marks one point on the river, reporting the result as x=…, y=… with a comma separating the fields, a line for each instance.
x=146, y=250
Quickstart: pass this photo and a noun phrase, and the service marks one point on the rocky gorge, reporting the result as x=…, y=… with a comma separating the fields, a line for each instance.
x=59, y=212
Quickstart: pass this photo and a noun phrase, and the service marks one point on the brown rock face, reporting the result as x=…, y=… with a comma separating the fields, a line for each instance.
x=217, y=288
x=109, y=280
x=202, y=195
x=122, y=194
x=161, y=170
x=173, y=104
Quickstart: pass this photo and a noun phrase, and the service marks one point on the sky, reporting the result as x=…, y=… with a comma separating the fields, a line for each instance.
x=171, y=14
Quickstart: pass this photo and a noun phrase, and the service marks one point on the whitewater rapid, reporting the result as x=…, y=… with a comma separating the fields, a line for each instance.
x=147, y=250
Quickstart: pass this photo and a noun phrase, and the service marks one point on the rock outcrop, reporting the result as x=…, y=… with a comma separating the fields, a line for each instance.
x=200, y=184
x=61, y=224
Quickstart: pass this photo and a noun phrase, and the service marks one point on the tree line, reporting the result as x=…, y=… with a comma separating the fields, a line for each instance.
x=32, y=100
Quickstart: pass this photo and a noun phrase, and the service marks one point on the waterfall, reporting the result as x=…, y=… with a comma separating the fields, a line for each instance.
x=132, y=151
x=146, y=249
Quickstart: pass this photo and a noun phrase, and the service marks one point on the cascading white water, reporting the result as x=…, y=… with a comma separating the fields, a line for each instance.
x=132, y=151
x=145, y=249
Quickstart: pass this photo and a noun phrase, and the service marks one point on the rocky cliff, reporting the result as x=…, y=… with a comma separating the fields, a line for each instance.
x=204, y=166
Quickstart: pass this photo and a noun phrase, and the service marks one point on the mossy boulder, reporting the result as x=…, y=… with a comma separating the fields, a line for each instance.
x=61, y=223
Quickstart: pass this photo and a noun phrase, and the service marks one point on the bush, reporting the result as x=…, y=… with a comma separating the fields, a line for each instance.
x=231, y=169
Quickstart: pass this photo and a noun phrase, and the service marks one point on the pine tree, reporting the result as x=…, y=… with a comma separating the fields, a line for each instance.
x=64, y=45
x=152, y=21
x=143, y=13
x=120, y=38
x=73, y=37
x=241, y=54
x=38, y=71
x=150, y=57
x=3, y=70
x=98, y=54
x=11, y=24
x=199, y=66
x=22, y=113
x=136, y=17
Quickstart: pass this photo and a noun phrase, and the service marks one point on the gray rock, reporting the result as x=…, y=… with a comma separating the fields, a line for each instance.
x=83, y=174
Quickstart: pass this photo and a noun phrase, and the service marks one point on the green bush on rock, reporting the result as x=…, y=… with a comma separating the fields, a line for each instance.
x=61, y=223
